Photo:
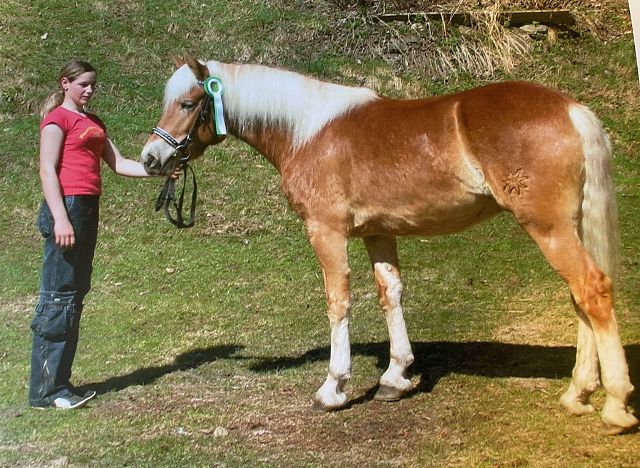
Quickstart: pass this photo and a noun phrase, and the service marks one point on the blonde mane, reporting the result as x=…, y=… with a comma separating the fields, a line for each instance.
x=258, y=95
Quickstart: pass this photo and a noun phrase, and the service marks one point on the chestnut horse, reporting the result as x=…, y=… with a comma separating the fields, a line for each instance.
x=357, y=164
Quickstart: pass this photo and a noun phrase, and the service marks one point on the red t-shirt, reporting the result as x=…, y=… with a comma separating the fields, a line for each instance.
x=84, y=141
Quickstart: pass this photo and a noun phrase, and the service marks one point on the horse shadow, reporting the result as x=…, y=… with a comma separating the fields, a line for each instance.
x=185, y=361
x=435, y=360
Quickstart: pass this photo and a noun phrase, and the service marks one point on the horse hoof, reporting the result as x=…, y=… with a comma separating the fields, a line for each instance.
x=617, y=430
x=386, y=393
x=318, y=407
x=577, y=408
x=620, y=424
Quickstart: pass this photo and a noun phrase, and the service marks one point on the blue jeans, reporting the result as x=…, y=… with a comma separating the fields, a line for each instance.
x=65, y=280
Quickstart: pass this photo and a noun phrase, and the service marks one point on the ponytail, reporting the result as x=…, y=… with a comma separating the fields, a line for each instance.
x=70, y=71
x=53, y=101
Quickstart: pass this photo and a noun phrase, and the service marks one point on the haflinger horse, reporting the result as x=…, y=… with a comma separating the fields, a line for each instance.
x=354, y=163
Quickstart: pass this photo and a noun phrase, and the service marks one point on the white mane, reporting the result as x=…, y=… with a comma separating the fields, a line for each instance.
x=255, y=94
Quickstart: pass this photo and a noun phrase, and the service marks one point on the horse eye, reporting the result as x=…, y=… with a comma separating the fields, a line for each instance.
x=187, y=105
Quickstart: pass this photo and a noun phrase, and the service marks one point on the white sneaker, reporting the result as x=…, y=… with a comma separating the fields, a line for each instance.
x=72, y=401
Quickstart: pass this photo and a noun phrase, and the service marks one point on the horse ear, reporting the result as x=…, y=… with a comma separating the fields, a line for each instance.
x=199, y=69
x=177, y=61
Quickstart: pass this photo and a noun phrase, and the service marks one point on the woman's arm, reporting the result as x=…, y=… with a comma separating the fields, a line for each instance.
x=121, y=165
x=51, y=139
x=127, y=167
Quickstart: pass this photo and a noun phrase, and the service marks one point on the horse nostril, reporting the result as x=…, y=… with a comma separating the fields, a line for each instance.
x=152, y=162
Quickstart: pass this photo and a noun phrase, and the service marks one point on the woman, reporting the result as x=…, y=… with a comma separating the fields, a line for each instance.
x=72, y=143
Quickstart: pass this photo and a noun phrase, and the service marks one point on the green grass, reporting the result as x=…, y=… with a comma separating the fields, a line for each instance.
x=224, y=325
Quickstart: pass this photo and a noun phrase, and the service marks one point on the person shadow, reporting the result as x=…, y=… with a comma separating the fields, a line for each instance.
x=435, y=360
x=189, y=360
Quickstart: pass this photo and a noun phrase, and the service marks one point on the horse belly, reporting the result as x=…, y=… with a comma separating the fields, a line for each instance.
x=426, y=216
x=429, y=187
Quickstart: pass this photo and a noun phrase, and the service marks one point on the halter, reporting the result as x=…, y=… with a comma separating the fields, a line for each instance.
x=213, y=95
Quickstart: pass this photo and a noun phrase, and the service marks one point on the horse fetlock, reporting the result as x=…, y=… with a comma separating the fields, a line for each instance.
x=577, y=403
x=408, y=360
x=394, y=378
x=583, y=388
x=615, y=415
x=339, y=376
x=330, y=396
x=401, y=357
x=620, y=390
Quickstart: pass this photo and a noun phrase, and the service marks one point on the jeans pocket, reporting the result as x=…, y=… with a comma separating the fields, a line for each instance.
x=53, y=319
x=45, y=221
x=70, y=202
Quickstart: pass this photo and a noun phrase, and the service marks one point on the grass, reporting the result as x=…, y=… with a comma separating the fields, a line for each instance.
x=223, y=326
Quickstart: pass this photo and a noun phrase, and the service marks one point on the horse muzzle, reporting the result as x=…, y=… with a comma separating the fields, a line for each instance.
x=157, y=159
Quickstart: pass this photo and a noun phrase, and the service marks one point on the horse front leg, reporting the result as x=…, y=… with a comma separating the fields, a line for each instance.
x=331, y=250
x=384, y=259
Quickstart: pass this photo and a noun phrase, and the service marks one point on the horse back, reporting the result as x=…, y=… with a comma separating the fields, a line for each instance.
x=435, y=165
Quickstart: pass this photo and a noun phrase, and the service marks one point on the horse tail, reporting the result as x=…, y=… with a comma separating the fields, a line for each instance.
x=599, y=224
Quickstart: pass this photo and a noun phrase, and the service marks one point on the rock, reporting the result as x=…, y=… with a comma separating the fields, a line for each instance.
x=536, y=31
x=220, y=432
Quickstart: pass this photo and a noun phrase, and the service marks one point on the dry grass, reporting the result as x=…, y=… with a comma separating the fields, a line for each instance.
x=437, y=49
x=441, y=50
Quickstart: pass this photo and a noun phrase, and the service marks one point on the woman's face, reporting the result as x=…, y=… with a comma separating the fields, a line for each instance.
x=80, y=90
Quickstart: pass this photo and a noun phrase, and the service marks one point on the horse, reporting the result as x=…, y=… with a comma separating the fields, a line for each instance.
x=354, y=163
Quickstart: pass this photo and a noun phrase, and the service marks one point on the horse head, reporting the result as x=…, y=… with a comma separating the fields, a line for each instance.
x=187, y=125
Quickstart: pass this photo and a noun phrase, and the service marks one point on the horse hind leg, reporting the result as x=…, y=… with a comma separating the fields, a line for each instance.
x=597, y=302
x=592, y=292
x=586, y=374
x=384, y=259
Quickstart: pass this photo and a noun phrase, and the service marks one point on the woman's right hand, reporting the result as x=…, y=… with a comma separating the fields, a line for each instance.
x=65, y=235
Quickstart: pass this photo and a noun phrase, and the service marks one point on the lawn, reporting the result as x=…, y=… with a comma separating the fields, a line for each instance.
x=207, y=344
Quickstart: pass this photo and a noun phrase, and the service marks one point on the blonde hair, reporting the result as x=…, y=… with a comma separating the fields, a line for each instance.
x=70, y=71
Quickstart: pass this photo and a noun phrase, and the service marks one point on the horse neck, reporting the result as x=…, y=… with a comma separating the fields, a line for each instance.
x=278, y=111
x=271, y=142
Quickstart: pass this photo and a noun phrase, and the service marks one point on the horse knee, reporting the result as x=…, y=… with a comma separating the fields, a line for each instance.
x=389, y=285
x=338, y=296
x=338, y=309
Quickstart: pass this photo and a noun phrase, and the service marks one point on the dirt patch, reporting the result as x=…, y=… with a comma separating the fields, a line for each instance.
x=273, y=417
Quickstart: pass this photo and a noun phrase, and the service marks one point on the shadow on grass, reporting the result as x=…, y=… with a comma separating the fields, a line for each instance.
x=146, y=375
x=435, y=360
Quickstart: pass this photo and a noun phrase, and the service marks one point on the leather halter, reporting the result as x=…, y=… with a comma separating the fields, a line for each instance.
x=166, y=198
x=182, y=147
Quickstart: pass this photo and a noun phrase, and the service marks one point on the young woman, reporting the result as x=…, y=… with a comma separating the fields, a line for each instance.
x=72, y=143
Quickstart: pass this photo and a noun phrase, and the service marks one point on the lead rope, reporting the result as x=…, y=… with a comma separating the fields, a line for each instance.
x=167, y=198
